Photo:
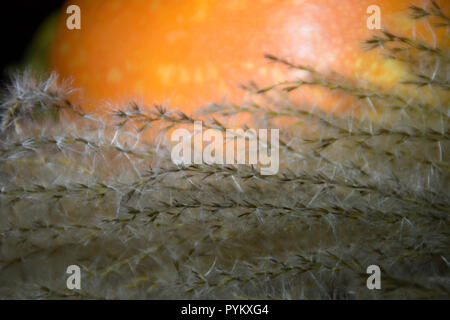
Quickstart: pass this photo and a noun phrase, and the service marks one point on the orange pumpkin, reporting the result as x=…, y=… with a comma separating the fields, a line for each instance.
x=190, y=53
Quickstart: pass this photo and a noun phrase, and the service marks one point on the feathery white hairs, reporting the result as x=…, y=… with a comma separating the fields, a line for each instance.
x=351, y=192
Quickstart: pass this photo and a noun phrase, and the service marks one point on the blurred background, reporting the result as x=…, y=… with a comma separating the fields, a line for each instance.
x=21, y=22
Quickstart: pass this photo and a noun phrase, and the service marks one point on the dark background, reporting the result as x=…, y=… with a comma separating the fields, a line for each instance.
x=19, y=21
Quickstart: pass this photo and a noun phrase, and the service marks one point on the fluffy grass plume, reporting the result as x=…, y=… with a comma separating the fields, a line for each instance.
x=370, y=186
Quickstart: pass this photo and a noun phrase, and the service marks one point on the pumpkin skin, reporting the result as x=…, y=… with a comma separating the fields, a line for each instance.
x=190, y=53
